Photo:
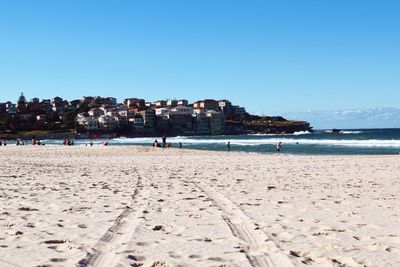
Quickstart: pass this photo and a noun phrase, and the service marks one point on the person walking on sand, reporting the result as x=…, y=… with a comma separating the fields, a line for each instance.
x=278, y=147
x=180, y=145
x=228, y=146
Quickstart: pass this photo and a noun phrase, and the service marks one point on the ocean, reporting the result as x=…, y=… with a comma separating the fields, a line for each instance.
x=320, y=142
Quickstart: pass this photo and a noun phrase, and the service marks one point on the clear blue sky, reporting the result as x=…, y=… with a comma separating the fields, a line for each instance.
x=270, y=56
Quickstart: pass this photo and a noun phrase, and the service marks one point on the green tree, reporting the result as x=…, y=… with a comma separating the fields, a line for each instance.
x=69, y=120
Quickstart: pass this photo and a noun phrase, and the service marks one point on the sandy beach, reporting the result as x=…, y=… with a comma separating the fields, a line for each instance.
x=142, y=206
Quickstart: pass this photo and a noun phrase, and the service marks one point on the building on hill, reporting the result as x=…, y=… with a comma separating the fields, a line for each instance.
x=230, y=111
x=200, y=122
x=108, y=123
x=137, y=121
x=75, y=103
x=162, y=111
x=183, y=102
x=96, y=112
x=87, y=99
x=208, y=104
x=87, y=122
x=160, y=104
x=135, y=102
x=11, y=108
x=215, y=122
x=35, y=100
x=180, y=118
x=149, y=117
x=172, y=103
x=57, y=101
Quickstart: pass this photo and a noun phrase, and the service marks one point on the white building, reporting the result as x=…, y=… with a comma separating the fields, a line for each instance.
x=137, y=122
x=215, y=121
x=108, y=122
x=181, y=110
x=96, y=112
x=162, y=111
x=90, y=123
x=200, y=122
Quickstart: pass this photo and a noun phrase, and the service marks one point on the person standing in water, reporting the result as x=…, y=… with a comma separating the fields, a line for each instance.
x=228, y=146
x=278, y=147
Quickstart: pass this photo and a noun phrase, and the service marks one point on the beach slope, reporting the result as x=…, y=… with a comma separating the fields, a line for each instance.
x=142, y=206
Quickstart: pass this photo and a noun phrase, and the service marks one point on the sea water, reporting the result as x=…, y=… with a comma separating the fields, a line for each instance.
x=320, y=142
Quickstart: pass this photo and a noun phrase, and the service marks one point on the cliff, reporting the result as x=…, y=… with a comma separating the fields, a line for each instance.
x=274, y=124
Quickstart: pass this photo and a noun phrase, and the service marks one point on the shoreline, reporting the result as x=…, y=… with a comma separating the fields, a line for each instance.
x=99, y=145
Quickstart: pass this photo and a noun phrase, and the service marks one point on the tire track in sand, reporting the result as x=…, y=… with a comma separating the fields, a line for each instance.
x=258, y=247
x=105, y=251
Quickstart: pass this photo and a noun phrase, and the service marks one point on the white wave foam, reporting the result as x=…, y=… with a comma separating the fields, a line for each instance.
x=350, y=132
x=344, y=132
x=301, y=133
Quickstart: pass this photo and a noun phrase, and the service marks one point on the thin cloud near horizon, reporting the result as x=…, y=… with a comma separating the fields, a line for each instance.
x=382, y=117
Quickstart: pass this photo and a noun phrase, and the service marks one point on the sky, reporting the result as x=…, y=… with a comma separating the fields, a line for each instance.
x=273, y=57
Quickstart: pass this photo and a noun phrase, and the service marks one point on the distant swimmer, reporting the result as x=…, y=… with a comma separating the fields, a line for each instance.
x=278, y=147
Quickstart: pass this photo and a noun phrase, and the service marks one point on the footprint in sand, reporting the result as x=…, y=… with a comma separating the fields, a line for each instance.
x=136, y=258
x=58, y=260
x=218, y=259
x=194, y=257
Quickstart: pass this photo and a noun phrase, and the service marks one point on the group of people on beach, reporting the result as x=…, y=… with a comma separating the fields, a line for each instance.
x=68, y=142
x=20, y=142
x=37, y=142
x=164, y=143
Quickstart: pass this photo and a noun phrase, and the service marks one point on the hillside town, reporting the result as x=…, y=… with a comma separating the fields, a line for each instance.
x=91, y=116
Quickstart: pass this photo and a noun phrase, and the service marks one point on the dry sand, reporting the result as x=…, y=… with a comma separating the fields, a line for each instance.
x=136, y=206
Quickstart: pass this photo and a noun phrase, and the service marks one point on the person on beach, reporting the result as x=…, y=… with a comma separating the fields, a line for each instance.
x=180, y=145
x=155, y=143
x=164, y=140
x=228, y=146
x=278, y=147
